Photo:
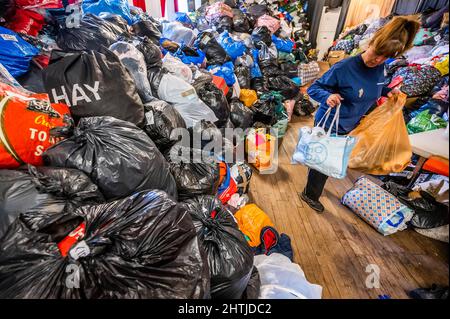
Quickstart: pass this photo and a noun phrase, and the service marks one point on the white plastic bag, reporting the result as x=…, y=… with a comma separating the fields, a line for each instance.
x=282, y=279
x=322, y=152
x=177, y=67
x=184, y=98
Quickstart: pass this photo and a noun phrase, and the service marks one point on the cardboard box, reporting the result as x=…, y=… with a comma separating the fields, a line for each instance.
x=336, y=56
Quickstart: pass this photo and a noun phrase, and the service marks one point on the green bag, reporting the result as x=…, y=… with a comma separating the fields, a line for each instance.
x=424, y=122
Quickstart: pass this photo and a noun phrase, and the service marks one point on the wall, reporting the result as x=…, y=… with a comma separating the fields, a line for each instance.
x=362, y=10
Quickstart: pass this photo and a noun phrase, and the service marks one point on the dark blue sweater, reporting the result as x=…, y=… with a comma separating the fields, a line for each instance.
x=359, y=85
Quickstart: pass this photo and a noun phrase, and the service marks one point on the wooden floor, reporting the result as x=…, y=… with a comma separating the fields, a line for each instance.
x=335, y=248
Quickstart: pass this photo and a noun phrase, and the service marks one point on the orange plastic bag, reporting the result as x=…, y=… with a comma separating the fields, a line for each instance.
x=383, y=144
x=25, y=123
x=251, y=220
x=248, y=97
x=437, y=165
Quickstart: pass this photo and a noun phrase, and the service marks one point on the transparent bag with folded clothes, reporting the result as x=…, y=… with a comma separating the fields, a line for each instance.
x=383, y=144
x=134, y=62
x=323, y=152
x=282, y=279
x=184, y=98
x=178, y=33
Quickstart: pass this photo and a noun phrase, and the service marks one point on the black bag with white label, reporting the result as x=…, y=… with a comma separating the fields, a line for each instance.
x=230, y=257
x=161, y=119
x=92, y=33
x=118, y=156
x=46, y=190
x=139, y=247
x=93, y=84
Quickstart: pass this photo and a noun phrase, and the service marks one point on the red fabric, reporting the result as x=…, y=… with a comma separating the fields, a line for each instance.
x=437, y=165
x=140, y=4
x=163, y=7
x=43, y=4
x=176, y=5
x=27, y=22
x=269, y=240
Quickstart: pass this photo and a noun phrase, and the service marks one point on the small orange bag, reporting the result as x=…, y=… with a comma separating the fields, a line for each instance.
x=251, y=220
x=25, y=123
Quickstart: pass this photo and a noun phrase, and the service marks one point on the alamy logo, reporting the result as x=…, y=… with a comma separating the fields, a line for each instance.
x=73, y=277
x=79, y=94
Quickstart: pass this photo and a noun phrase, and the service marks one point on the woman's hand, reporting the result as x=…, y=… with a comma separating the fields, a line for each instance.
x=334, y=100
x=395, y=91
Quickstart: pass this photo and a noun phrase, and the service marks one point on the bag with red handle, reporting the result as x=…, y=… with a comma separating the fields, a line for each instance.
x=27, y=124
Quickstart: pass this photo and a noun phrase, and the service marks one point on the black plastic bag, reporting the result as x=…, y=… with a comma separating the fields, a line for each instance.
x=93, y=84
x=240, y=115
x=193, y=178
x=118, y=156
x=261, y=34
x=240, y=22
x=134, y=62
x=290, y=70
x=44, y=189
x=32, y=80
x=254, y=286
x=428, y=212
x=230, y=257
x=303, y=106
x=243, y=75
x=115, y=19
x=149, y=29
x=92, y=33
x=264, y=112
x=260, y=85
x=142, y=246
x=155, y=76
x=214, y=98
x=7, y=8
x=215, y=54
x=152, y=53
x=222, y=24
x=284, y=85
x=258, y=10
x=161, y=119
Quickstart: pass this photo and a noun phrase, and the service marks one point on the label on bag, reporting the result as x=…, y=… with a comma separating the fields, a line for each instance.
x=205, y=39
x=80, y=250
x=9, y=37
x=150, y=118
x=190, y=94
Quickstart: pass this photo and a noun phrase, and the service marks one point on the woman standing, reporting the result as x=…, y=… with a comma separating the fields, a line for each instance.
x=356, y=83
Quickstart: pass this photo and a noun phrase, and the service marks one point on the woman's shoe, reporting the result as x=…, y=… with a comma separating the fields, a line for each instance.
x=314, y=204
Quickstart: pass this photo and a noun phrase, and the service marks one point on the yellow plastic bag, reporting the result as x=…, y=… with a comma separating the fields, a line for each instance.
x=442, y=66
x=248, y=97
x=251, y=220
x=383, y=144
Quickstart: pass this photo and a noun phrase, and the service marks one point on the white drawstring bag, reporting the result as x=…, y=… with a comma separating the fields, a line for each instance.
x=321, y=151
x=184, y=98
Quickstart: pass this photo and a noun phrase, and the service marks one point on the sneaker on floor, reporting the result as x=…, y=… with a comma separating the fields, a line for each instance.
x=314, y=204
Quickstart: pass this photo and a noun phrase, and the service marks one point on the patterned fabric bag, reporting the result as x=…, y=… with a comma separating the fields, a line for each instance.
x=308, y=72
x=418, y=79
x=217, y=10
x=376, y=206
x=344, y=45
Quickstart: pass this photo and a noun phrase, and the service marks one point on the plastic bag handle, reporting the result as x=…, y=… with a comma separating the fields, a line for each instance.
x=402, y=218
x=335, y=120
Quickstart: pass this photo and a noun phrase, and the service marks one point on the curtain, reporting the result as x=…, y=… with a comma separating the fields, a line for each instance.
x=140, y=4
x=405, y=7
x=342, y=17
x=432, y=4
x=362, y=10
x=314, y=14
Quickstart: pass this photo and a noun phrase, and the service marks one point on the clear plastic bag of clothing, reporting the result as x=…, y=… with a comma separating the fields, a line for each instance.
x=383, y=143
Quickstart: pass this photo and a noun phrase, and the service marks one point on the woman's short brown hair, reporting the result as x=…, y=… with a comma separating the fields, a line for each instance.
x=396, y=37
